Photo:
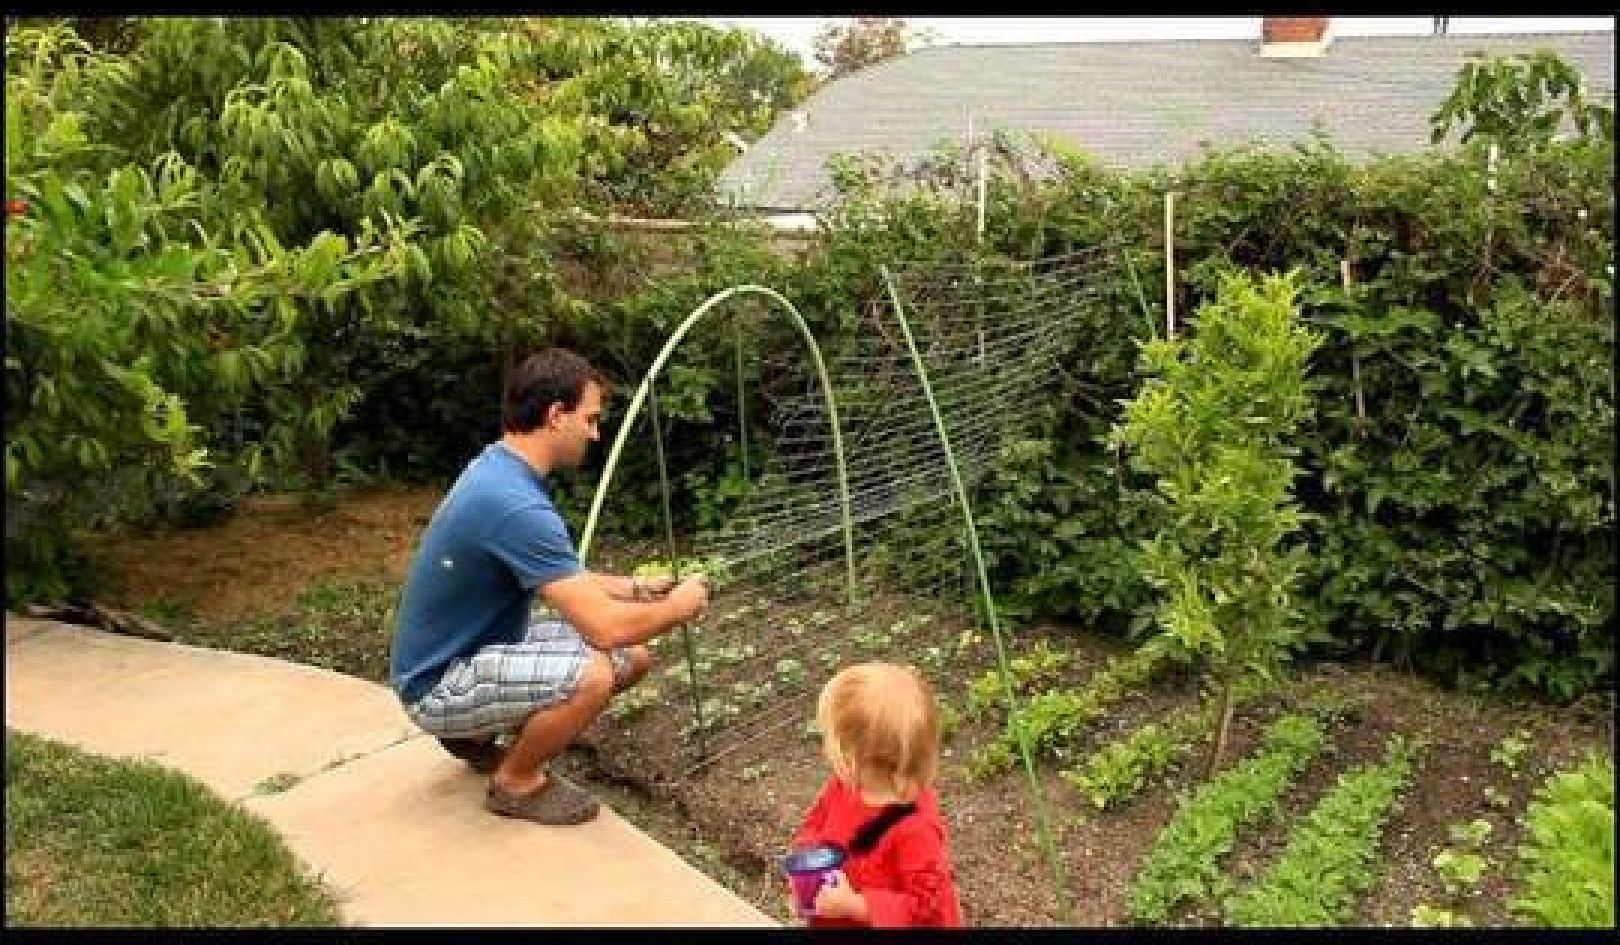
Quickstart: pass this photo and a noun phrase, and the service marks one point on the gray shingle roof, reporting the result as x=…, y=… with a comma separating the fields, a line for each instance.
x=1133, y=104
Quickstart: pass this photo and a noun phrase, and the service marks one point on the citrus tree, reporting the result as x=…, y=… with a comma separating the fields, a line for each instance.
x=1213, y=423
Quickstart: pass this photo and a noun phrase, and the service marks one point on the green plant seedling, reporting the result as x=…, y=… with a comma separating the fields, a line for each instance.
x=1459, y=870
x=1425, y=916
x=716, y=569
x=789, y=671
x=1471, y=834
x=1509, y=752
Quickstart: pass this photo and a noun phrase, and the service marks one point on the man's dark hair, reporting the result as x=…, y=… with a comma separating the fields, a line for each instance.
x=552, y=376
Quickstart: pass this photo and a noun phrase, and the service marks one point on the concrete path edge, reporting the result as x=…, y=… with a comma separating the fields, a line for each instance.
x=393, y=824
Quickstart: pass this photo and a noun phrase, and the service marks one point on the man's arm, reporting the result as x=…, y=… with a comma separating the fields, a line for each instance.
x=624, y=588
x=608, y=623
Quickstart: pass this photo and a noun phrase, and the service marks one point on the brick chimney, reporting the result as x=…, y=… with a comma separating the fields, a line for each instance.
x=1285, y=37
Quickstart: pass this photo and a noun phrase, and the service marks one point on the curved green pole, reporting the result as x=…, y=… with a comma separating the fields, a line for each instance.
x=640, y=397
x=984, y=588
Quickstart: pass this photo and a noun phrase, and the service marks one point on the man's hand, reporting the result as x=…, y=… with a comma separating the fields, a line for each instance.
x=653, y=587
x=692, y=594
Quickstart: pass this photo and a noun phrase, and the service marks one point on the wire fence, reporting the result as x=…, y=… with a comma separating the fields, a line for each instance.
x=990, y=334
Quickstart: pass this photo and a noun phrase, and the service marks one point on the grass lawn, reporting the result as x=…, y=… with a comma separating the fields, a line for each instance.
x=93, y=841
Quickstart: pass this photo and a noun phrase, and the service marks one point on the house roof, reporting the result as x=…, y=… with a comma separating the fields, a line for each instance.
x=1132, y=104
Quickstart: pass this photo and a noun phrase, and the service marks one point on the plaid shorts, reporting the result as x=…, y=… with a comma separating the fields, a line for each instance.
x=497, y=688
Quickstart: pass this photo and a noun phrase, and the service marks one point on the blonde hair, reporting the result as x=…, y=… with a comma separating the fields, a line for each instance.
x=880, y=728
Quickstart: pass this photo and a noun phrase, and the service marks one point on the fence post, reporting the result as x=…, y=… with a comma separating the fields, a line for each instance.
x=1355, y=359
x=1170, y=263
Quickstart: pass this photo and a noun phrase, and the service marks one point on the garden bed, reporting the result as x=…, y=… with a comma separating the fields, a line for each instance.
x=299, y=584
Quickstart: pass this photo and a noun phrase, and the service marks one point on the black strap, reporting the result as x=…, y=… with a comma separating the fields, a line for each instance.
x=866, y=839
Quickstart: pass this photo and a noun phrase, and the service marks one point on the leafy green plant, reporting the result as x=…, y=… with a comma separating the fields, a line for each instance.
x=1566, y=875
x=1039, y=665
x=1471, y=834
x=634, y=702
x=1052, y=719
x=145, y=302
x=990, y=759
x=754, y=772
x=789, y=671
x=1213, y=423
x=1520, y=101
x=1425, y=916
x=1510, y=751
x=1327, y=861
x=1120, y=769
x=1461, y=866
x=716, y=569
x=1183, y=862
x=950, y=720
x=1460, y=870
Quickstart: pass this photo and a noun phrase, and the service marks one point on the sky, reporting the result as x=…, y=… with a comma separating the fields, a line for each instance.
x=798, y=33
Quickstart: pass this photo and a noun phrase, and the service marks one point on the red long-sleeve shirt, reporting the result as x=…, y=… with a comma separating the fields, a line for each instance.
x=907, y=878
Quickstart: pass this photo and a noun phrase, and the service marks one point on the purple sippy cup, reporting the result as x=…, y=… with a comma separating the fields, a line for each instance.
x=808, y=871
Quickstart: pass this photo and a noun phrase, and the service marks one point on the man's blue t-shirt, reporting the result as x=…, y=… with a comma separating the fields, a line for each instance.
x=494, y=539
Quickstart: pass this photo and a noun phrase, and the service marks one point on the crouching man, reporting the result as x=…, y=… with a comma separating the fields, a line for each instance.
x=469, y=662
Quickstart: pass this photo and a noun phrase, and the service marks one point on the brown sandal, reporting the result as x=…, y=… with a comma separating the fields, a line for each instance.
x=559, y=802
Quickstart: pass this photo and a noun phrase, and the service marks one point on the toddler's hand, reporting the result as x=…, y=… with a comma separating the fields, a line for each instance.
x=838, y=900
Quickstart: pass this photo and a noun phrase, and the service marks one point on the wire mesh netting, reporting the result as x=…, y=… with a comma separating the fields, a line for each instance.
x=852, y=545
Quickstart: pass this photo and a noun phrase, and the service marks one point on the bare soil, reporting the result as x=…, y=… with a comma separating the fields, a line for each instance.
x=732, y=817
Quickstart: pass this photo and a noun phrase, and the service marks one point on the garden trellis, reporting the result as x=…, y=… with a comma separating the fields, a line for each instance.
x=855, y=539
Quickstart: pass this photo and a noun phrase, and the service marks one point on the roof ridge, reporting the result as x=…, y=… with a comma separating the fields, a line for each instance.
x=1429, y=37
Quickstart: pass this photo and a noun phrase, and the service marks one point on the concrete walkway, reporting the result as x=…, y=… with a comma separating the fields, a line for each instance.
x=393, y=824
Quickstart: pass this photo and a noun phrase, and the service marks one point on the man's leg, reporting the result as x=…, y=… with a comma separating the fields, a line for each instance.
x=547, y=731
x=630, y=665
x=637, y=660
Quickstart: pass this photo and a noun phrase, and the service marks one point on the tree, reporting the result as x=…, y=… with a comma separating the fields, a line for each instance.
x=1520, y=102
x=668, y=93
x=864, y=40
x=228, y=235
x=145, y=299
x=1215, y=424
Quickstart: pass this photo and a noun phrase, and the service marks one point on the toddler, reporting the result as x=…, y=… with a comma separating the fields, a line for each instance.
x=880, y=736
